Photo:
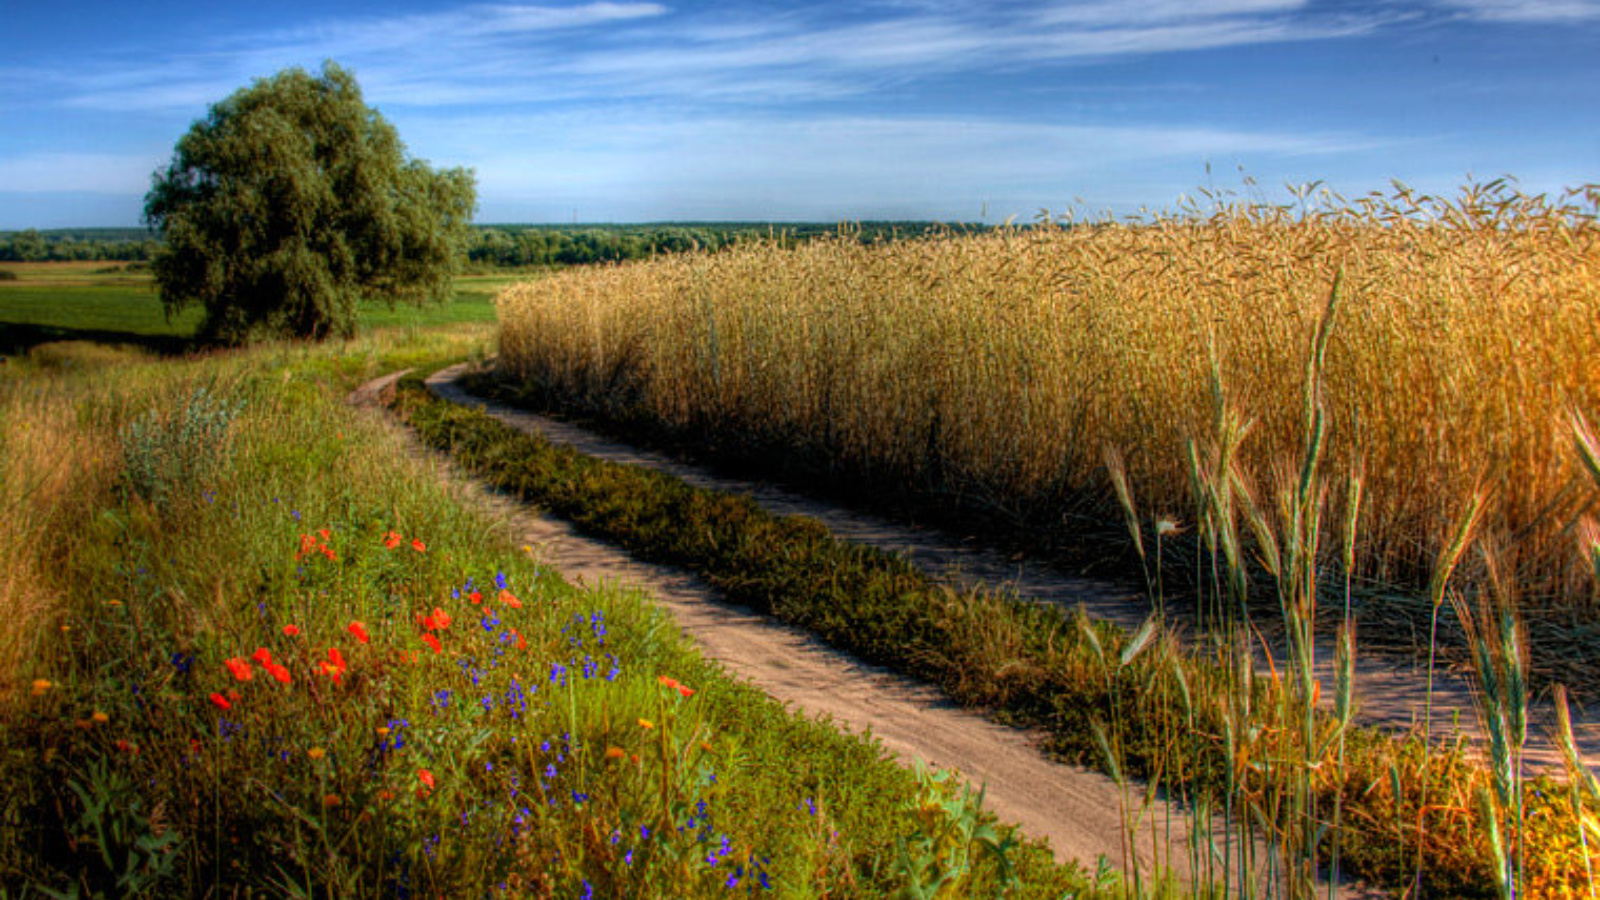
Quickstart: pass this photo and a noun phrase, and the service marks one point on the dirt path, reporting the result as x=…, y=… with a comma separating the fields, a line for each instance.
x=1389, y=690
x=1076, y=809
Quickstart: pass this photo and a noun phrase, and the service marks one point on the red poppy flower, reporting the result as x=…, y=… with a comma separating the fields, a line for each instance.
x=125, y=747
x=517, y=639
x=278, y=672
x=323, y=532
x=220, y=702
x=239, y=668
x=307, y=544
x=358, y=630
x=438, y=621
x=392, y=540
x=291, y=630
x=510, y=600
x=328, y=552
x=426, y=777
x=419, y=546
x=433, y=642
x=331, y=671
x=336, y=658
x=263, y=656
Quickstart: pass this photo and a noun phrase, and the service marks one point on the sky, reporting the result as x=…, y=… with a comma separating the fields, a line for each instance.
x=823, y=110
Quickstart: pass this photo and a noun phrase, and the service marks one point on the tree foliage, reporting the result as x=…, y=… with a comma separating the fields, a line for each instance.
x=291, y=201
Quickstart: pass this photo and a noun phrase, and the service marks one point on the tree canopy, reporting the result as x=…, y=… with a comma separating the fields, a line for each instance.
x=291, y=201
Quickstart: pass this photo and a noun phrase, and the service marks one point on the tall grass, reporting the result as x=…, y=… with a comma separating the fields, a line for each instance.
x=993, y=368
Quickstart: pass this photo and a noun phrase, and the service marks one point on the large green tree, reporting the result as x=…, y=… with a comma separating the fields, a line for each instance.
x=291, y=201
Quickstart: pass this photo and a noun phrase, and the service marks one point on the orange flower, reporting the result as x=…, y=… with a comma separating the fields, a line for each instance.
x=332, y=671
x=392, y=540
x=278, y=672
x=646, y=723
x=510, y=600
x=419, y=546
x=240, y=669
x=615, y=753
x=220, y=702
x=291, y=630
x=358, y=630
x=438, y=621
x=433, y=642
x=331, y=801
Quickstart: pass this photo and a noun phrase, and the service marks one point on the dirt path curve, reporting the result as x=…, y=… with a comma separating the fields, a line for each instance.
x=1389, y=690
x=1076, y=809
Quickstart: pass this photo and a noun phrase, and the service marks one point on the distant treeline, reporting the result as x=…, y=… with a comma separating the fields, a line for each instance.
x=69, y=244
x=572, y=245
x=501, y=245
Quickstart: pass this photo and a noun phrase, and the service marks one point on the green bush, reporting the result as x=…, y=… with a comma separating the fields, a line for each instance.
x=170, y=454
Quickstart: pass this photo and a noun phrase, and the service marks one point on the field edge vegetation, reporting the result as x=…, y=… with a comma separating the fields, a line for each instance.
x=251, y=644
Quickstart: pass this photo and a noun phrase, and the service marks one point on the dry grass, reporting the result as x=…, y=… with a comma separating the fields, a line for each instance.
x=999, y=366
x=56, y=464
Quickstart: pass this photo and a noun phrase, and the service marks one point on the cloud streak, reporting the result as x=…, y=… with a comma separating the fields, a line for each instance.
x=1527, y=11
x=512, y=54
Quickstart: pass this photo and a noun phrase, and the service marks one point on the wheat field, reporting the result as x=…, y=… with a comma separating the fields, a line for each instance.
x=1000, y=366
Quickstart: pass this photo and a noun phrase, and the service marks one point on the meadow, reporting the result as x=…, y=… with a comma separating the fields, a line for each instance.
x=251, y=645
x=116, y=303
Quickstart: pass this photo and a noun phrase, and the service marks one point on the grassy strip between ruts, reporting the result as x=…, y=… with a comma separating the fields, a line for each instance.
x=1135, y=704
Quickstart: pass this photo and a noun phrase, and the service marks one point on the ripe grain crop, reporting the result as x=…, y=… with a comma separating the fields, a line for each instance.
x=997, y=367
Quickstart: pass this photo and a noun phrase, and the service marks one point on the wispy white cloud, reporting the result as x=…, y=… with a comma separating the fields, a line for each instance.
x=538, y=54
x=1527, y=11
x=836, y=166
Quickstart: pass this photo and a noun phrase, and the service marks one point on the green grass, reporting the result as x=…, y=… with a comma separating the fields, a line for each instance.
x=108, y=304
x=166, y=517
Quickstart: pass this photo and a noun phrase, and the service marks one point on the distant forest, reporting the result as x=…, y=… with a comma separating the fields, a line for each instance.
x=502, y=246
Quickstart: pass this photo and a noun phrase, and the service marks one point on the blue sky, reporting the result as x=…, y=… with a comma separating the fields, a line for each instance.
x=826, y=110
